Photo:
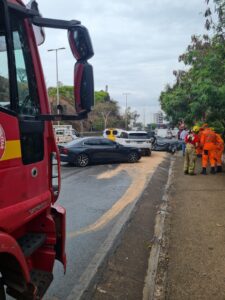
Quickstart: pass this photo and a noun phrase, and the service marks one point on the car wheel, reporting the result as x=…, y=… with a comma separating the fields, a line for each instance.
x=148, y=152
x=173, y=150
x=133, y=157
x=82, y=160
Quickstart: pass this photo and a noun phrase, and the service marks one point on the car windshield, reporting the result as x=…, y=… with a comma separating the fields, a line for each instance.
x=137, y=135
x=74, y=142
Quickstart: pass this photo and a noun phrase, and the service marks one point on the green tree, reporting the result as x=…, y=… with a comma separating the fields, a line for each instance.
x=105, y=114
x=101, y=96
x=199, y=93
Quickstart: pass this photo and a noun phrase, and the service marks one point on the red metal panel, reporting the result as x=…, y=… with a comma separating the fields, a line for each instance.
x=10, y=125
x=18, y=214
x=10, y=246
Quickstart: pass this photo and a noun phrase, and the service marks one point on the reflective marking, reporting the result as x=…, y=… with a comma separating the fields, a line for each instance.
x=12, y=150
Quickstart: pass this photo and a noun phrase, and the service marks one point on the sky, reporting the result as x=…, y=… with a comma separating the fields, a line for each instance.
x=136, y=44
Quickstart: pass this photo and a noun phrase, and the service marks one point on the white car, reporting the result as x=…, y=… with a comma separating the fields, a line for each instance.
x=138, y=139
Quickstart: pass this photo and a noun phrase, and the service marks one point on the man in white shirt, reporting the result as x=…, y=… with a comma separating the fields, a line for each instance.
x=183, y=135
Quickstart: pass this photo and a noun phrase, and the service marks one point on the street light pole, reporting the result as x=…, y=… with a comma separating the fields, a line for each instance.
x=126, y=114
x=57, y=75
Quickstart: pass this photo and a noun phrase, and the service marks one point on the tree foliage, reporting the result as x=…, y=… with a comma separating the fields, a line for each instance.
x=106, y=112
x=217, y=25
x=198, y=94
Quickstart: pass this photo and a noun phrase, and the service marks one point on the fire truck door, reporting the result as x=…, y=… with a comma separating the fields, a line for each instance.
x=22, y=148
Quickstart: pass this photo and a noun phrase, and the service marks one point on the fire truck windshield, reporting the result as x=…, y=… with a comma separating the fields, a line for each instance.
x=4, y=72
x=27, y=103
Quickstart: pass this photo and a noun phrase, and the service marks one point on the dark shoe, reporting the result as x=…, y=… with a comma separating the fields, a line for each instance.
x=219, y=169
x=185, y=172
x=203, y=172
x=212, y=171
x=192, y=174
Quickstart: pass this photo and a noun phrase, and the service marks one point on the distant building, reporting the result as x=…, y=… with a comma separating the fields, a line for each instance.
x=158, y=118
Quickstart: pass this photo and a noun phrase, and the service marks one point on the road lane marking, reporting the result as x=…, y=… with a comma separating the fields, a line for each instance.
x=139, y=173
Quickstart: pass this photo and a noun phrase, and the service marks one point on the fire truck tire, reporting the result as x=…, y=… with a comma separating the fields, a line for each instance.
x=2, y=291
x=82, y=160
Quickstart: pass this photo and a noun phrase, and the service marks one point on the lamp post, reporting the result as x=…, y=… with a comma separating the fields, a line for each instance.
x=126, y=115
x=57, y=74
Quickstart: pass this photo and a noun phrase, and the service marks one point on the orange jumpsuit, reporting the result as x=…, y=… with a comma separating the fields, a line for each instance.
x=208, y=143
x=219, y=150
x=199, y=147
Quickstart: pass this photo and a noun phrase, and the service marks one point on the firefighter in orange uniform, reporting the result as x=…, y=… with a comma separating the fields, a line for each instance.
x=208, y=144
x=219, y=151
x=199, y=148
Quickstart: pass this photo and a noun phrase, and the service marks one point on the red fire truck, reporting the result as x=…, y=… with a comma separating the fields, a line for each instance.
x=32, y=226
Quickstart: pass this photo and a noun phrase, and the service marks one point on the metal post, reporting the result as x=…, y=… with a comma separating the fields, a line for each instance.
x=57, y=80
x=126, y=114
x=57, y=76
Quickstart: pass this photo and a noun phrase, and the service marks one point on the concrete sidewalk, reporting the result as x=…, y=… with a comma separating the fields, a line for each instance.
x=192, y=263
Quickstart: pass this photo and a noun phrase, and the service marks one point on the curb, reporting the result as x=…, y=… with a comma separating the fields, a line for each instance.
x=149, y=287
x=89, y=276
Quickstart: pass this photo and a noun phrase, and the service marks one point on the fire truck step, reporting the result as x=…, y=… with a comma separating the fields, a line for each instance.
x=31, y=242
x=41, y=280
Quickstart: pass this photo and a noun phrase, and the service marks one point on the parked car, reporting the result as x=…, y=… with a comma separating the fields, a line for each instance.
x=87, y=150
x=151, y=136
x=168, y=145
x=137, y=139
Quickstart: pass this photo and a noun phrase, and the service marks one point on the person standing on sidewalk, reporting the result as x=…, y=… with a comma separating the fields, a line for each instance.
x=208, y=143
x=219, y=150
x=183, y=135
x=192, y=142
x=199, y=148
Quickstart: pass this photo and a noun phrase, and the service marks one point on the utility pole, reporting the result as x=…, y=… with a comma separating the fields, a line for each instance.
x=126, y=114
x=144, y=119
x=57, y=75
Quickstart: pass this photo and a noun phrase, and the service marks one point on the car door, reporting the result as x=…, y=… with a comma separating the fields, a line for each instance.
x=110, y=151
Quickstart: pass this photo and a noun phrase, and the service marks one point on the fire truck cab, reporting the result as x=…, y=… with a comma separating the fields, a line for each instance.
x=32, y=225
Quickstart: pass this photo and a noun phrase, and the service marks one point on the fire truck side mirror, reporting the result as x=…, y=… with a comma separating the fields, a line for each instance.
x=83, y=87
x=80, y=42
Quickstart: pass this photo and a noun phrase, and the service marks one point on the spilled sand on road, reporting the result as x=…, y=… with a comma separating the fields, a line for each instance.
x=139, y=173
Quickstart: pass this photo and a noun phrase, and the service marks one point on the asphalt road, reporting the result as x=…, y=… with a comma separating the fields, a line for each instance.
x=95, y=198
x=86, y=198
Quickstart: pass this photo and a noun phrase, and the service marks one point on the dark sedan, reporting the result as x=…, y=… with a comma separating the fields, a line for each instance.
x=164, y=144
x=84, y=151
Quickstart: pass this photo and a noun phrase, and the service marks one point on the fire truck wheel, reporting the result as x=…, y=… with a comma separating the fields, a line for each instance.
x=2, y=291
x=82, y=160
